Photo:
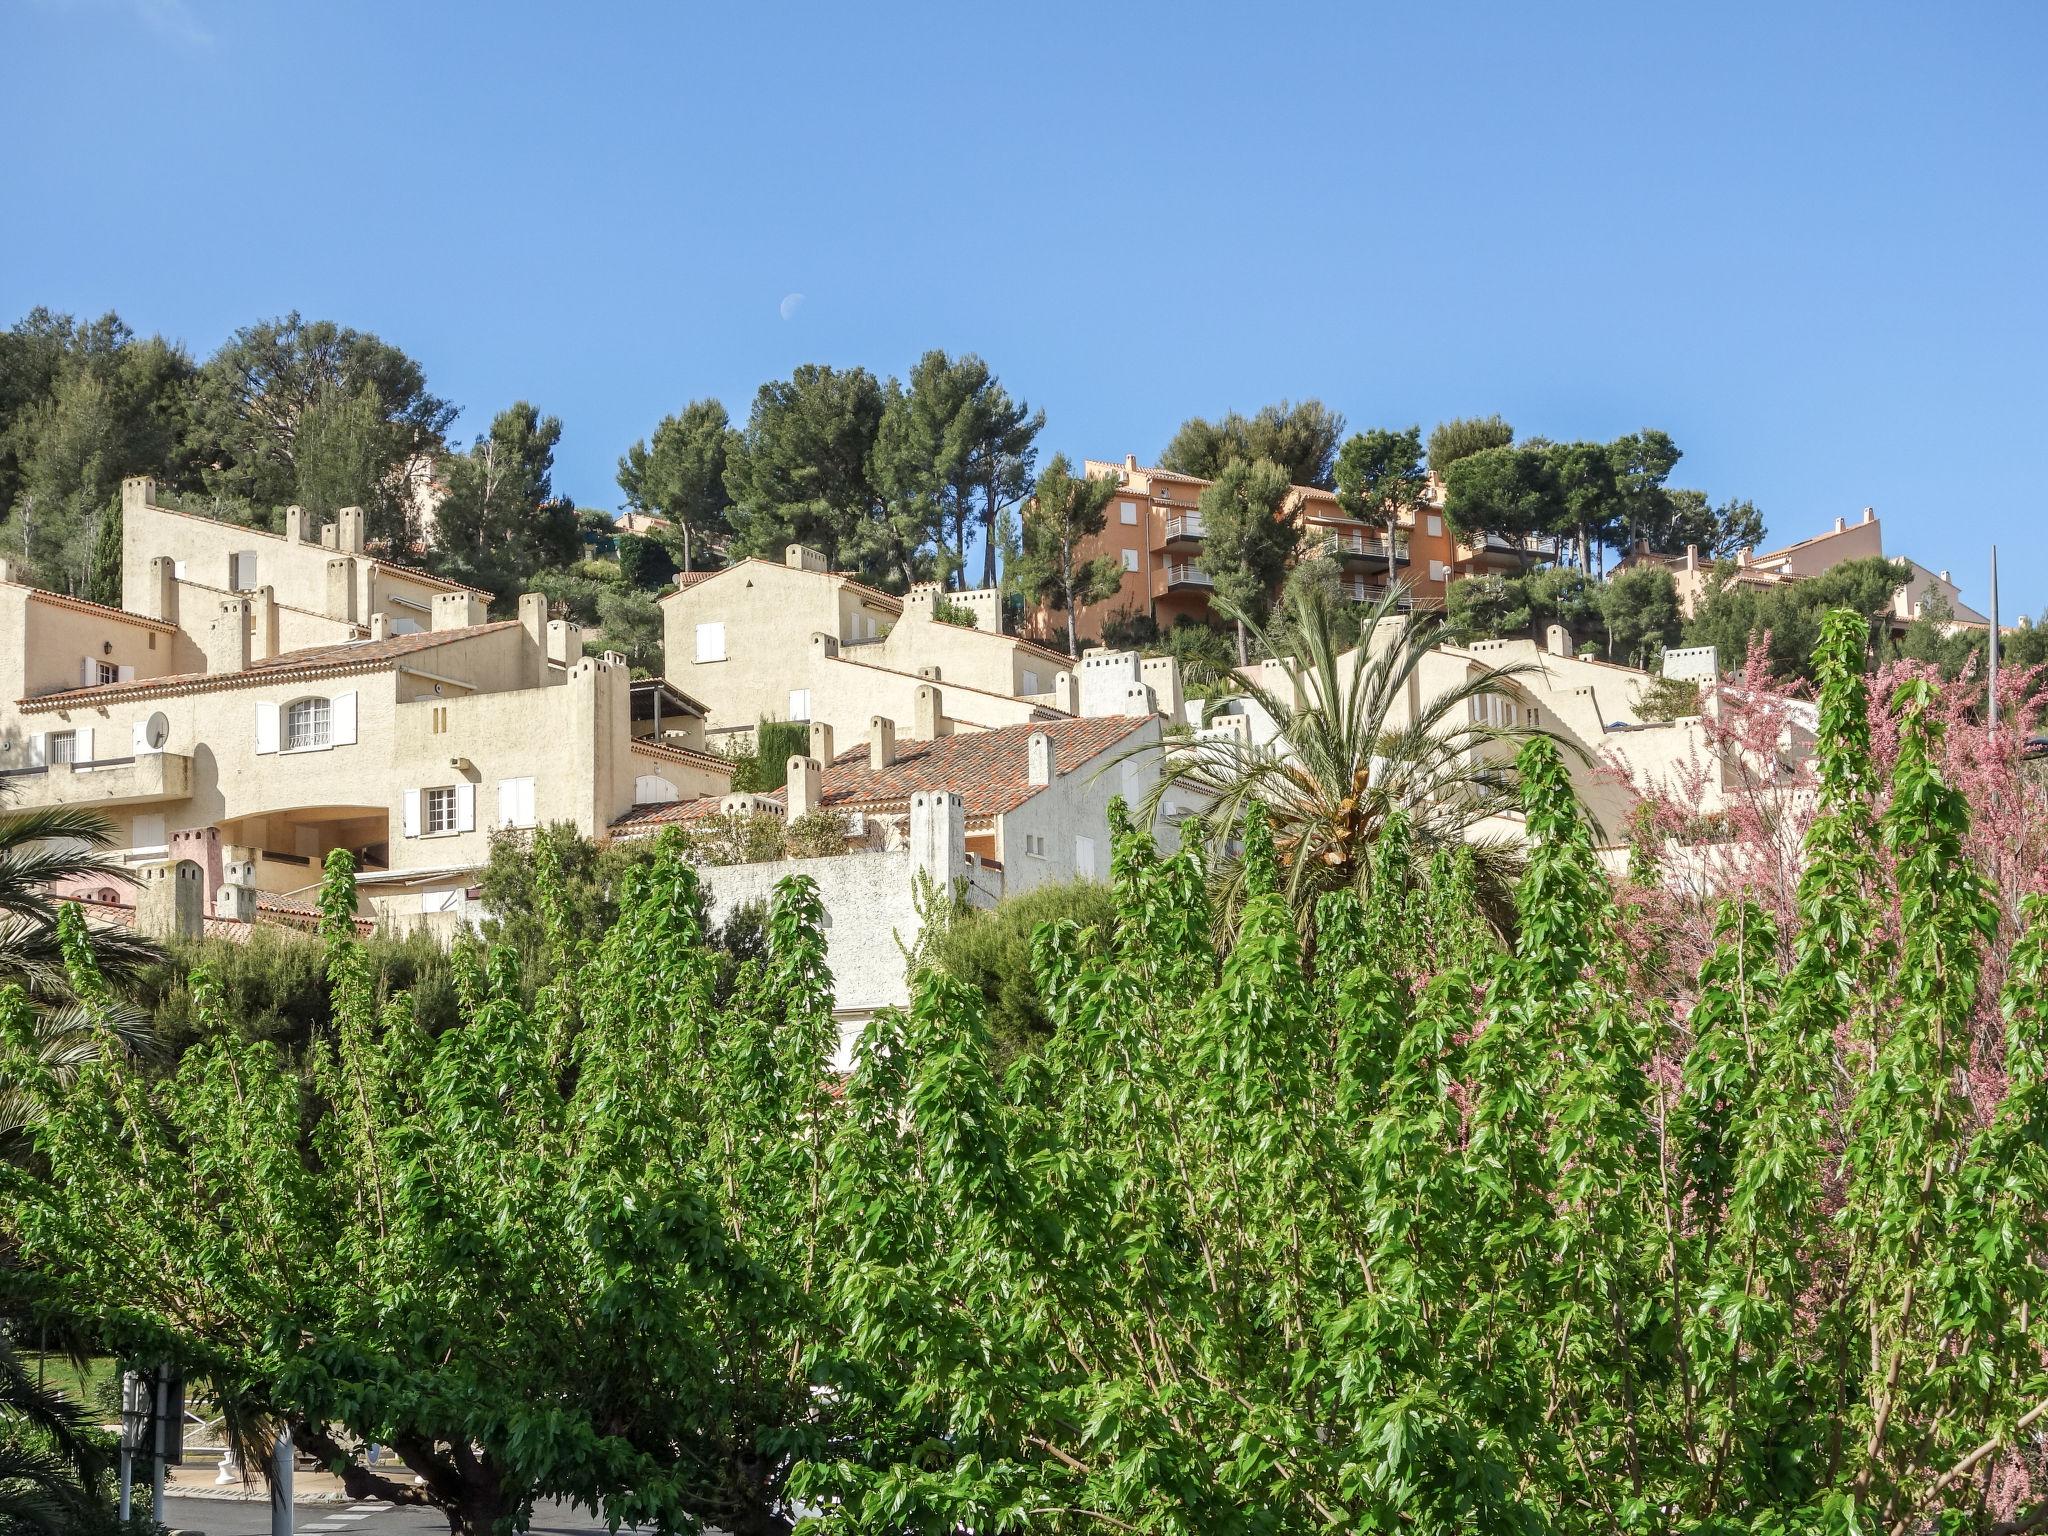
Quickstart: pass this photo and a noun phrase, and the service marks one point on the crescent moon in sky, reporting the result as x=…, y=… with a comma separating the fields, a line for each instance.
x=791, y=303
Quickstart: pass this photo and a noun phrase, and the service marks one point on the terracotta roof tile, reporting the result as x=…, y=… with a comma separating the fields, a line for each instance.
x=672, y=812
x=989, y=770
x=352, y=656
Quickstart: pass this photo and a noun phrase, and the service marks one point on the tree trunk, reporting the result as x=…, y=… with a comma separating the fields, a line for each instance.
x=988, y=534
x=686, y=545
x=1243, y=655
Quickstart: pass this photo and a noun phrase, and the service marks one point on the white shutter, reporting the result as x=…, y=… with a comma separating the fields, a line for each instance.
x=1084, y=857
x=800, y=704
x=141, y=738
x=266, y=726
x=147, y=832
x=412, y=813
x=526, y=803
x=465, y=808
x=711, y=642
x=81, y=752
x=124, y=674
x=38, y=750
x=88, y=674
x=341, y=720
x=508, y=802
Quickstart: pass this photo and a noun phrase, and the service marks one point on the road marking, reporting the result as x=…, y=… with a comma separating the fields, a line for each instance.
x=368, y=1509
x=349, y=1517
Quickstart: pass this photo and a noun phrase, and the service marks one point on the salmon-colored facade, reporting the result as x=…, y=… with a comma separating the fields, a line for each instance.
x=1154, y=527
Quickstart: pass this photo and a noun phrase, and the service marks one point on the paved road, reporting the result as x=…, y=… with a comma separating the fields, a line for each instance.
x=251, y=1517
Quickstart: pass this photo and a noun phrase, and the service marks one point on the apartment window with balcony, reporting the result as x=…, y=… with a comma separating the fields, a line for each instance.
x=308, y=723
x=1128, y=511
x=438, y=810
x=1130, y=559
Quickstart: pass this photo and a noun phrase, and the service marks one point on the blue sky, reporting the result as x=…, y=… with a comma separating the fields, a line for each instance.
x=1805, y=239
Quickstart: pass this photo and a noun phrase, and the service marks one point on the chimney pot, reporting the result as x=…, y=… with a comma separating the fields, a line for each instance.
x=881, y=743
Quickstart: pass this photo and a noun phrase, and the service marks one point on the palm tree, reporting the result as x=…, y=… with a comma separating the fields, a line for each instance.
x=53, y=1462
x=1353, y=748
x=37, y=848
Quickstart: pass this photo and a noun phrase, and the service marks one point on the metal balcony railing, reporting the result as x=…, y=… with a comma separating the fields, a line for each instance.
x=1362, y=546
x=1184, y=526
x=1184, y=574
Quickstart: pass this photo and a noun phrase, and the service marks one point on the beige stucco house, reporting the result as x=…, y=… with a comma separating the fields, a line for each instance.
x=796, y=641
x=259, y=701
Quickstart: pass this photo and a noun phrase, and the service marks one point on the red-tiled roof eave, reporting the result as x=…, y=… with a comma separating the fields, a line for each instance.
x=317, y=662
x=669, y=750
x=96, y=610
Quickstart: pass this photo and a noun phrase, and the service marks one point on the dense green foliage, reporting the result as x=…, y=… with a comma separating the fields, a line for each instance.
x=681, y=476
x=1248, y=538
x=1302, y=439
x=1630, y=617
x=1407, y=1228
x=990, y=950
x=1735, y=613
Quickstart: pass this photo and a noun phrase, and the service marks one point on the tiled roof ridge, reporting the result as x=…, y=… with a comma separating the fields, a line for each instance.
x=390, y=650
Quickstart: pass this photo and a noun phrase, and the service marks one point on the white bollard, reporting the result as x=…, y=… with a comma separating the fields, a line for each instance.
x=281, y=1484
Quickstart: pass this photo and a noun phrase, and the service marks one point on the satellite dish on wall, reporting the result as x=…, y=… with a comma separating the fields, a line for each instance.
x=157, y=731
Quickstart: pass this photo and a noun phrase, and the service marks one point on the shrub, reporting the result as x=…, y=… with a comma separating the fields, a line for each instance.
x=990, y=950
x=817, y=835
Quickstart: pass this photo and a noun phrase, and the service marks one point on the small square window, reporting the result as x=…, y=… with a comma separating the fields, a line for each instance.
x=1436, y=525
x=62, y=747
x=1130, y=559
x=437, y=807
x=105, y=672
x=1129, y=512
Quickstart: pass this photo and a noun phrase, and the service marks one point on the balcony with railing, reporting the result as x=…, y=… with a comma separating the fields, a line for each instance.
x=1359, y=590
x=1184, y=528
x=138, y=780
x=1356, y=545
x=1187, y=574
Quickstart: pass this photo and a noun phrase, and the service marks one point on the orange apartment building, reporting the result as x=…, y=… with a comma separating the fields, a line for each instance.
x=1154, y=526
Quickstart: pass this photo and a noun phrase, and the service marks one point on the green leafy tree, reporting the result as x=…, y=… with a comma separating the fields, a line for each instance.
x=1641, y=463
x=254, y=396
x=501, y=520
x=341, y=455
x=1640, y=609
x=54, y=1461
x=491, y=1251
x=1733, y=612
x=680, y=475
x=1380, y=477
x=990, y=950
x=799, y=471
x=644, y=563
x=1248, y=537
x=1510, y=492
x=1065, y=512
x=1587, y=504
x=1717, y=532
x=1487, y=607
x=1463, y=436
x=1302, y=439
x=1409, y=1230
x=86, y=406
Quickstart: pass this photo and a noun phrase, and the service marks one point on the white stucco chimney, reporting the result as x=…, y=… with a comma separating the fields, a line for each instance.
x=456, y=610
x=806, y=786
x=295, y=525
x=930, y=717
x=226, y=641
x=1870, y=514
x=1040, y=748
x=801, y=557
x=1841, y=525
x=881, y=743
x=821, y=741
x=348, y=530
x=1557, y=640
